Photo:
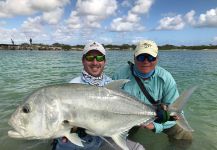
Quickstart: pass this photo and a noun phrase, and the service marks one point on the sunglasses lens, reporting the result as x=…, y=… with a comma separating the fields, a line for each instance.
x=151, y=58
x=89, y=58
x=142, y=58
x=100, y=58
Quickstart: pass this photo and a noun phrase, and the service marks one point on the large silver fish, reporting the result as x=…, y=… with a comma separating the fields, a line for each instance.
x=52, y=111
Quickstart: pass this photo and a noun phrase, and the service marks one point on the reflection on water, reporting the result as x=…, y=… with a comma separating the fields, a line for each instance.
x=23, y=71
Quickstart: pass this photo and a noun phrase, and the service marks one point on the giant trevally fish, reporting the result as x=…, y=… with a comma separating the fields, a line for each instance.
x=52, y=111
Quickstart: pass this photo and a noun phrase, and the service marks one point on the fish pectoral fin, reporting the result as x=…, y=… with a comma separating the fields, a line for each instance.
x=74, y=138
x=120, y=140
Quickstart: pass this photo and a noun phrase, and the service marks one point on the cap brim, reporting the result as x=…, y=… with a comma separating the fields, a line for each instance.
x=146, y=52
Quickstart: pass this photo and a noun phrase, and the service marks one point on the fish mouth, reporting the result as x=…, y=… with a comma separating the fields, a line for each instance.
x=14, y=134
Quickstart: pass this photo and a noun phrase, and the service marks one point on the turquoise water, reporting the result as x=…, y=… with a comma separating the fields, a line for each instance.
x=23, y=71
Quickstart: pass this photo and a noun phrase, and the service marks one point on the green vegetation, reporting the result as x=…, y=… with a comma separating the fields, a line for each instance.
x=199, y=47
x=65, y=47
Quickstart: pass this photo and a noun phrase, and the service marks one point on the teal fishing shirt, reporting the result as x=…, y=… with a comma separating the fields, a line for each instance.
x=161, y=86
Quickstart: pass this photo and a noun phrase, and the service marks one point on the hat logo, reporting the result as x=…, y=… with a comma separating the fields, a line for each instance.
x=146, y=45
x=94, y=44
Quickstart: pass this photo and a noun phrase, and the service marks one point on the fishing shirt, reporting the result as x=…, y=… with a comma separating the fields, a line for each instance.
x=161, y=86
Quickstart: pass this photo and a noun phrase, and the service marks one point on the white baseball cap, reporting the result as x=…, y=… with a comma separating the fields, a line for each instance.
x=147, y=47
x=94, y=46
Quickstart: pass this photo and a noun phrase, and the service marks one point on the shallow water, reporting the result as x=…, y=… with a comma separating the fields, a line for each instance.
x=23, y=71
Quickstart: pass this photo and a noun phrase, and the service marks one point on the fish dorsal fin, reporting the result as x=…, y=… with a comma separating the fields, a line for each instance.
x=178, y=105
x=74, y=138
x=116, y=85
x=120, y=140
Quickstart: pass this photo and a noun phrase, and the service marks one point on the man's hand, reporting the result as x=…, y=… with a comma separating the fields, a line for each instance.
x=150, y=126
x=163, y=114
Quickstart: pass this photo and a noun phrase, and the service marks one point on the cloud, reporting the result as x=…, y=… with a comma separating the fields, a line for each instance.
x=32, y=27
x=10, y=8
x=62, y=34
x=126, y=24
x=74, y=21
x=8, y=34
x=171, y=23
x=178, y=22
x=53, y=17
x=190, y=17
x=142, y=6
x=90, y=13
x=131, y=22
x=215, y=40
x=209, y=19
x=48, y=5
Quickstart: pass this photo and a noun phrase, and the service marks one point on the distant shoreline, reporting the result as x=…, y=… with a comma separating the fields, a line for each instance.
x=64, y=47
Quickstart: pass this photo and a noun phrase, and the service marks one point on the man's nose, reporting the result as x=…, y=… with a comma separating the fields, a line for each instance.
x=95, y=61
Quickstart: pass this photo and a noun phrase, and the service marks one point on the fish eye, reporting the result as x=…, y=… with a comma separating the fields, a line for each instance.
x=26, y=109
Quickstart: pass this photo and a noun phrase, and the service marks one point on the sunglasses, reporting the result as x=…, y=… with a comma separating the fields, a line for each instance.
x=98, y=57
x=142, y=58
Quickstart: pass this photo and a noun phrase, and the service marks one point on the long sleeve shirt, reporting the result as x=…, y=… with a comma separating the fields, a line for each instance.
x=161, y=86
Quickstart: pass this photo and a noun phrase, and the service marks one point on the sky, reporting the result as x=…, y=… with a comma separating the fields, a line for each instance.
x=177, y=22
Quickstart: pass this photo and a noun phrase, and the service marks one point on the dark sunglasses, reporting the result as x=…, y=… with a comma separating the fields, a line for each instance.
x=142, y=58
x=91, y=57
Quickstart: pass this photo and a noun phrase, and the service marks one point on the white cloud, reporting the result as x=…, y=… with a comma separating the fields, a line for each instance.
x=142, y=6
x=102, y=8
x=190, y=17
x=32, y=27
x=137, y=39
x=8, y=34
x=131, y=22
x=22, y=36
x=171, y=23
x=105, y=40
x=90, y=13
x=132, y=17
x=74, y=21
x=215, y=40
x=209, y=19
x=48, y=5
x=62, y=34
x=10, y=8
x=53, y=17
x=126, y=24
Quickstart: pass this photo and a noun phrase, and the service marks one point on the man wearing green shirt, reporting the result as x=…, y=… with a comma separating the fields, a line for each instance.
x=157, y=81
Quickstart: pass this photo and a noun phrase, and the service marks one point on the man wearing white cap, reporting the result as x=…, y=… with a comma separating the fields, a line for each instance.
x=160, y=86
x=93, y=60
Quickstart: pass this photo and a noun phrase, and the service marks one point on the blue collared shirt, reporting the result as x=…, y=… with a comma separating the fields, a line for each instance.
x=161, y=86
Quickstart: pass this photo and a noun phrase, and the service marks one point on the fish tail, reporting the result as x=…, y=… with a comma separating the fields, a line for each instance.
x=176, y=109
